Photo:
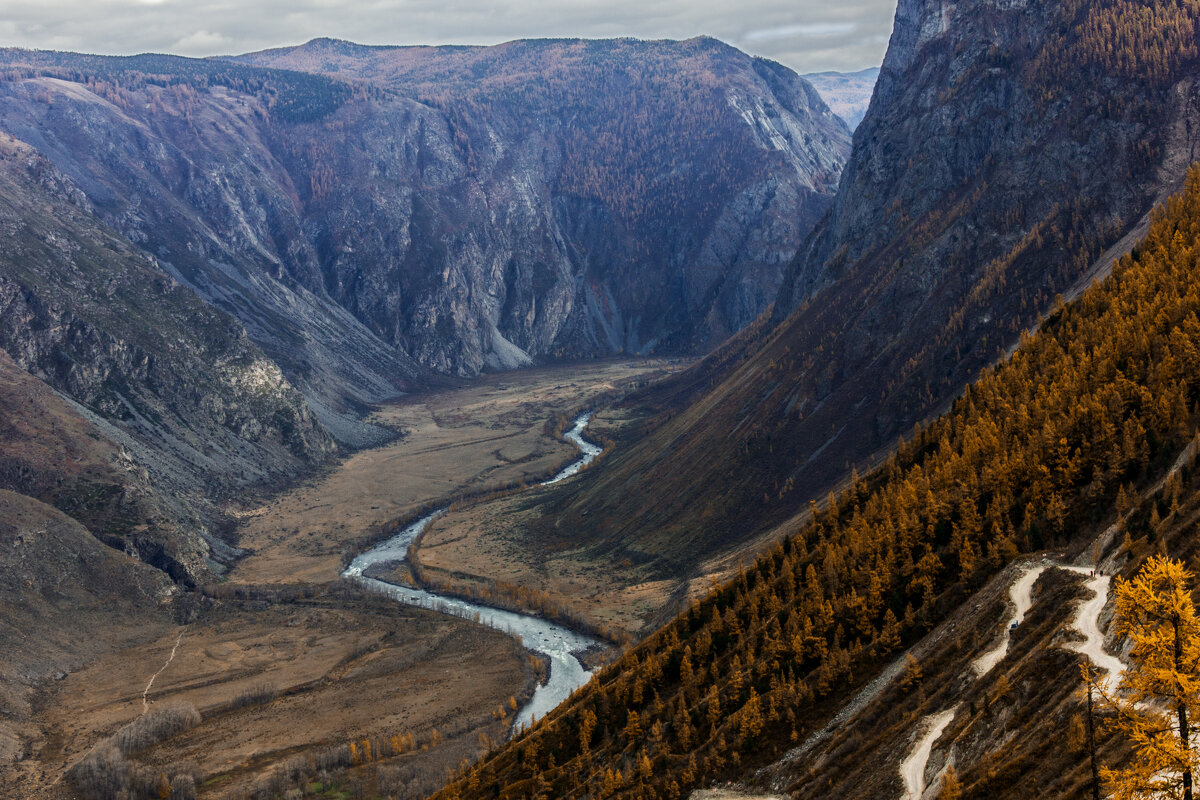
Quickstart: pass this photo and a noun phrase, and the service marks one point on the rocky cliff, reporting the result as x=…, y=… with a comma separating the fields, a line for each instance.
x=1007, y=146
x=414, y=211
x=453, y=212
x=186, y=410
x=184, y=172
x=661, y=183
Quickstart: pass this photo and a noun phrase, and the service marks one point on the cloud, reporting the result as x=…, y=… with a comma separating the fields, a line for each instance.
x=807, y=35
x=808, y=29
x=202, y=43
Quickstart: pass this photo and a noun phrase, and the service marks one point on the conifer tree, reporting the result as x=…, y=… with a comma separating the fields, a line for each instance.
x=1161, y=687
x=951, y=788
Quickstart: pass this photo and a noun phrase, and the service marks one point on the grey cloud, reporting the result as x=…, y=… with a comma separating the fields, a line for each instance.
x=806, y=35
x=792, y=31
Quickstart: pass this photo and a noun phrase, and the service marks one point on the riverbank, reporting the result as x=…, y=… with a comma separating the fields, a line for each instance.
x=563, y=646
x=332, y=671
x=487, y=436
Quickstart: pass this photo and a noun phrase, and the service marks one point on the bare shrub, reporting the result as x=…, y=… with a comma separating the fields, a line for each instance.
x=333, y=758
x=106, y=774
x=183, y=787
x=258, y=695
x=409, y=781
x=158, y=724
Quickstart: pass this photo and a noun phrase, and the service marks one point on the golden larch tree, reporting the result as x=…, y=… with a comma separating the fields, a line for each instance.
x=1160, y=691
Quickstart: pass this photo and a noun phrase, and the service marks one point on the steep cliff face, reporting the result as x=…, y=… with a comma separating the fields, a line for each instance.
x=173, y=381
x=50, y=452
x=643, y=195
x=448, y=208
x=1005, y=149
x=187, y=175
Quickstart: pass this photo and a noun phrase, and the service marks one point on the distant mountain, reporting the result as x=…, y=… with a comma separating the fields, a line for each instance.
x=441, y=208
x=644, y=195
x=846, y=93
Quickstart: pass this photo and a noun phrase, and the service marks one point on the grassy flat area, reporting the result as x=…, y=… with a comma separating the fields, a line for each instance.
x=487, y=435
x=339, y=668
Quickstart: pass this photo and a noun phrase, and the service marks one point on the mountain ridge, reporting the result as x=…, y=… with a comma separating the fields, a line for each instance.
x=174, y=382
x=549, y=280
x=918, y=277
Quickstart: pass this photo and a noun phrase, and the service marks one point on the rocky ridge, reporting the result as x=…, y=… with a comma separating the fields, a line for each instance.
x=989, y=175
x=171, y=383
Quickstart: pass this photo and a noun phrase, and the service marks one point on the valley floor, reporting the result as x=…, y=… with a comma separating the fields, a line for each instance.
x=488, y=435
x=337, y=666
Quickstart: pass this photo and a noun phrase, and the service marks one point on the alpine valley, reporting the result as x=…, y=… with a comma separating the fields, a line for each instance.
x=580, y=418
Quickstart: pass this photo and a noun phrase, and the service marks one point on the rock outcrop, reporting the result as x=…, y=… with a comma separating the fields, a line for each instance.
x=171, y=381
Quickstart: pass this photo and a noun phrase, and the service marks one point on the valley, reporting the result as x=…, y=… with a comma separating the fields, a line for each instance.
x=284, y=660
x=606, y=419
x=495, y=433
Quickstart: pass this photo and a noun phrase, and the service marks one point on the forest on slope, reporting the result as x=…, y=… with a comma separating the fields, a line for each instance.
x=989, y=176
x=1041, y=447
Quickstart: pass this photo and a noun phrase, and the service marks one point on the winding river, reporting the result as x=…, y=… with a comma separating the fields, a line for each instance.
x=559, y=644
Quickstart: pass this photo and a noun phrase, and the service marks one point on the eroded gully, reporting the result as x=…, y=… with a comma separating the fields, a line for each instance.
x=1086, y=621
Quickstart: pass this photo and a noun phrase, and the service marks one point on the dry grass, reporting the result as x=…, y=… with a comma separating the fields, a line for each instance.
x=281, y=667
x=511, y=540
x=487, y=435
x=339, y=674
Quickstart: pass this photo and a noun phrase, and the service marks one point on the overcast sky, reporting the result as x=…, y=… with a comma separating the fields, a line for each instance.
x=807, y=35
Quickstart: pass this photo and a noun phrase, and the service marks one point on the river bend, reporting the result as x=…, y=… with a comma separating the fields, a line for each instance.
x=561, y=645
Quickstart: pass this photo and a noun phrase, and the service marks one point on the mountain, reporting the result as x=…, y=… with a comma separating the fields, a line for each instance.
x=221, y=265
x=175, y=159
x=846, y=93
x=990, y=175
x=164, y=408
x=1087, y=430
x=674, y=178
x=378, y=224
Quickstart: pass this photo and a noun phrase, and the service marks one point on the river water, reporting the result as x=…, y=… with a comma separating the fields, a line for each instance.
x=559, y=644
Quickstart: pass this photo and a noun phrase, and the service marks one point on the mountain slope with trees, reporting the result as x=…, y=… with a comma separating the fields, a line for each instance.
x=1037, y=453
x=989, y=176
